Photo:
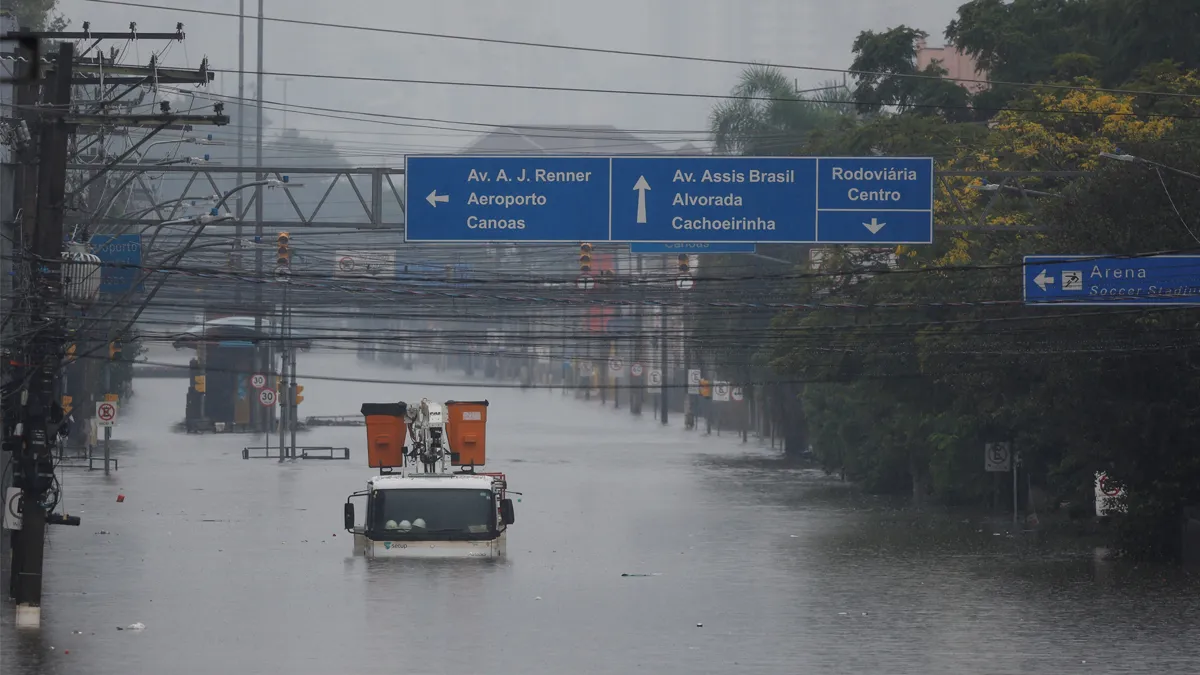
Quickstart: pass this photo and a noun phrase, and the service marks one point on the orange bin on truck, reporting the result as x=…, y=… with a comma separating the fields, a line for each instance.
x=466, y=431
x=386, y=433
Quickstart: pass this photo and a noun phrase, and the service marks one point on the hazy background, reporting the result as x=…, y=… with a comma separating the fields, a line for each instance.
x=794, y=32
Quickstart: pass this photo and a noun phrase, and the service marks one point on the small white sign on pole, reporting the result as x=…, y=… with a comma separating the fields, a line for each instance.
x=720, y=392
x=654, y=378
x=997, y=457
x=694, y=381
x=267, y=397
x=106, y=413
x=736, y=394
x=258, y=380
x=635, y=370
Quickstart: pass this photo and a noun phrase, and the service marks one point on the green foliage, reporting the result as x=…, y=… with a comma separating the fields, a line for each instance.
x=885, y=66
x=908, y=374
x=771, y=117
x=1022, y=40
x=37, y=15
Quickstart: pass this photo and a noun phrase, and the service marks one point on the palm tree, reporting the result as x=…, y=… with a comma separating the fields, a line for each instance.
x=770, y=116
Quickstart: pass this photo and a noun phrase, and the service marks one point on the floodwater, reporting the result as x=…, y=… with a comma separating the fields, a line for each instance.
x=239, y=566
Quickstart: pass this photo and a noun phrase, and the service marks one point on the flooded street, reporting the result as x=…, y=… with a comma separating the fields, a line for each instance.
x=242, y=566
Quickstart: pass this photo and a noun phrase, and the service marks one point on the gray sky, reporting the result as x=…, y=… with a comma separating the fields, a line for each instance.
x=801, y=32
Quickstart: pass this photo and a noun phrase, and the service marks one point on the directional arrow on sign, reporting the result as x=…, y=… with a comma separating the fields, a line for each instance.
x=641, y=186
x=1042, y=280
x=434, y=198
x=874, y=226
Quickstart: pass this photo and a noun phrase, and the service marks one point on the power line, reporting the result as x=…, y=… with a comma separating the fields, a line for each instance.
x=641, y=54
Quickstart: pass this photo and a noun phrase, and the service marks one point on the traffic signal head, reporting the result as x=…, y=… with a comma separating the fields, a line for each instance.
x=585, y=258
x=299, y=398
x=684, y=266
x=284, y=253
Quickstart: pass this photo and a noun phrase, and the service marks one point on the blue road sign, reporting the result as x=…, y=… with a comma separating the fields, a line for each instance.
x=114, y=250
x=1092, y=280
x=803, y=200
x=471, y=198
x=693, y=247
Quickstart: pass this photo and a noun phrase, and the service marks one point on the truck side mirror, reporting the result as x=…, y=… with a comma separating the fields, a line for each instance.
x=507, y=516
x=348, y=516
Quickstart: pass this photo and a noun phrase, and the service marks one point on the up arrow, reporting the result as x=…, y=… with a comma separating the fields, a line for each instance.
x=641, y=186
x=1042, y=280
x=434, y=198
x=874, y=226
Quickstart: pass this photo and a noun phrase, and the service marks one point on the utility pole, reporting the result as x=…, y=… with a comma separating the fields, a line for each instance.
x=241, y=134
x=285, y=81
x=41, y=415
x=258, y=208
x=281, y=397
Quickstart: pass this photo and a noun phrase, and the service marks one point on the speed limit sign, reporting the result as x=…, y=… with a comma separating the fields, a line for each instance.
x=636, y=370
x=267, y=397
x=258, y=381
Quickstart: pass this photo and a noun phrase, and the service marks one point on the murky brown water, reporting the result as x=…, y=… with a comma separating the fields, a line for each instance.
x=234, y=566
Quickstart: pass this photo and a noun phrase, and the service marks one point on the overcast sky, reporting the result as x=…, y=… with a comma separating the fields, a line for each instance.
x=800, y=32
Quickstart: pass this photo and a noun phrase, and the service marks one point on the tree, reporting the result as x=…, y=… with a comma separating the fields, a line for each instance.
x=1021, y=40
x=771, y=117
x=38, y=15
x=885, y=66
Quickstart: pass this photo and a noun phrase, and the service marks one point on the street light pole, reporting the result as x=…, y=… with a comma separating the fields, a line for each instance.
x=258, y=212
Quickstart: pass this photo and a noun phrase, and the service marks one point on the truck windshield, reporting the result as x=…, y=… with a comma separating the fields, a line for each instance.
x=433, y=513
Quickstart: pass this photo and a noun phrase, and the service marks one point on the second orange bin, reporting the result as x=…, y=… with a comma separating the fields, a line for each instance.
x=466, y=431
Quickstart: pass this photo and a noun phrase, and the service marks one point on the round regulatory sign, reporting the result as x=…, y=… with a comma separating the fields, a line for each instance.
x=267, y=397
x=1109, y=487
x=346, y=263
x=107, y=412
x=736, y=393
x=616, y=364
x=258, y=381
x=636, y=370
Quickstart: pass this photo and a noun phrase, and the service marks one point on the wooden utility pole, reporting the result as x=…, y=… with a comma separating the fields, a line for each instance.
x=42, y=413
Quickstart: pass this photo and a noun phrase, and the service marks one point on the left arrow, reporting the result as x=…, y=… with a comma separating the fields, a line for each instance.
x=1042, y=280
x=434, y=198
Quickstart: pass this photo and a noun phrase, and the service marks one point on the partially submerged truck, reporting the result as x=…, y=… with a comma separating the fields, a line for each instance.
x=429, y=500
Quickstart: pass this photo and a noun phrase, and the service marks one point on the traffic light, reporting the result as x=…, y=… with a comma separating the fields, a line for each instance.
x=684, y=265
x=283, y=257
x=299, y=398
x=113, y=350
x=585, y=258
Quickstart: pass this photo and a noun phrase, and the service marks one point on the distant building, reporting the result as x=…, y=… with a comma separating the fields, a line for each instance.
x=564, y=139
x=960, y=66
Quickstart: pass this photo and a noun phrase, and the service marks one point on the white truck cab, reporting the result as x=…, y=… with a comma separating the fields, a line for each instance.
x=432, y=516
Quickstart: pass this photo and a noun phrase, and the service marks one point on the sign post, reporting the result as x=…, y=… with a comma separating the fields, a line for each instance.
x=669, y=200
x=106, y=416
